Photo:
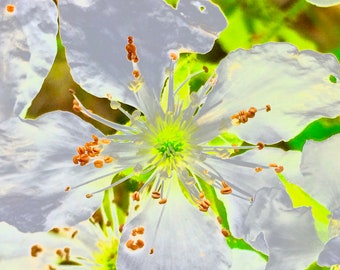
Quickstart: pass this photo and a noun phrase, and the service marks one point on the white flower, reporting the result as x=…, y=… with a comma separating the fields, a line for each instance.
x=324, y=3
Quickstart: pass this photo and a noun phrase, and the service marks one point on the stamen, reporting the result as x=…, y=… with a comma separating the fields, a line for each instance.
x=226, y=189
x=136, y=196
x=98, y=118
x=131, y=50
x=225, y=232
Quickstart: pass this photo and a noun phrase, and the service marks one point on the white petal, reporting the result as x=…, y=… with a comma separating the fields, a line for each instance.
x=28, y=47
x=330, y=255
x=321, y=171
x=36, y=166
x=95, y=35
x=15, y=247
x=247, y=260
x=295, y=83
x=324, y=3
x=181, y=236
x=239, y=176
x=289, y=232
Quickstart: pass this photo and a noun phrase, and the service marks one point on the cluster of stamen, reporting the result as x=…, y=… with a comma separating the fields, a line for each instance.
x=138, y=243
x=203, y=203
x=92, y=150
x=277, y=168
x=243, y=116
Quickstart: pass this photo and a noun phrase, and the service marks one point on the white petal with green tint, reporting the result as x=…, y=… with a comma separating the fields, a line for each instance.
x=300, y=87
x=324, y=3
x=36, y=166
x=245, y=181
x=321, y=171
x=288, y=232
x=177, y=234
x=95, y=35
x=28, y=47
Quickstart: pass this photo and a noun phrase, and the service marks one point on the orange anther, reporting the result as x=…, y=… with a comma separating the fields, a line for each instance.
x=258, y=169
x=89, y=195
x=81, y=150
x=74, y=234
x=140, y=243
x=35, y=249
x=75, y=159
x=135, y=196
x=205, y=172
x=205, y=68
x=202, y=209
x=105, y=141
x=151, y=251
x=260, y=145
x=121, y=227
x=173, y=56
x=95, y=138
x=155, y=195
x=201, y=195
x=140, y=230
x=226, y=190
x=162, y=201
x=68, y=188
x=268, y=108
x=279, y=169
x=135, y=73
x=224, y=184
x=225, y=232
x=108, y=159
x=10, y=8
x=98, y=163
x=219, y=220
x=273, y=165
x=59, y=252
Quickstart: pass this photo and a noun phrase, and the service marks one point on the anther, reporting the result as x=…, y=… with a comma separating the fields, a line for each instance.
x=136, y=73
x=140, y=243
x=136, y=196
x=273, y=165
x=155, y=195
x=225, y=232
x=173, y=56
x=268, y=108
x=140, y=230
x=59, y=252
x=151, y=251
x=10, y=8
x=89, y=195
x=115, y=105
x=260, y=145
x=108, y=159
x=121, y=227
x=131, y=50
x=35, y=250
x=68, y=188
x=226, y=189
x=279, y=169
x=162, y=201
x=74, y=234
x=201, y=195
x=258, y=169
x=219, y=220
x=98, y=163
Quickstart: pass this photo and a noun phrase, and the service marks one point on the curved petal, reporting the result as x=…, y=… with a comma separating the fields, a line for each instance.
x=36, y=166
x=28, y=47
x=321, y=171
x=16, y=247
x=95, y=34
x=289, y=232
x=330, y=254
x=180, y=236
x=324, y=3
x=296, y=84
x=245, y=181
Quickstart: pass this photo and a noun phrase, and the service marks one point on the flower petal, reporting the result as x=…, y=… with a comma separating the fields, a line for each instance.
x=28, y=47
x=324, y=3
x=330, y=254
x=245, y=181
x=296, y=84
x=321, y=171
x=180, y=236
x=289, y=232
x=247, y=260
x=16, y=247
x=36, y=166
x=95, y=35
